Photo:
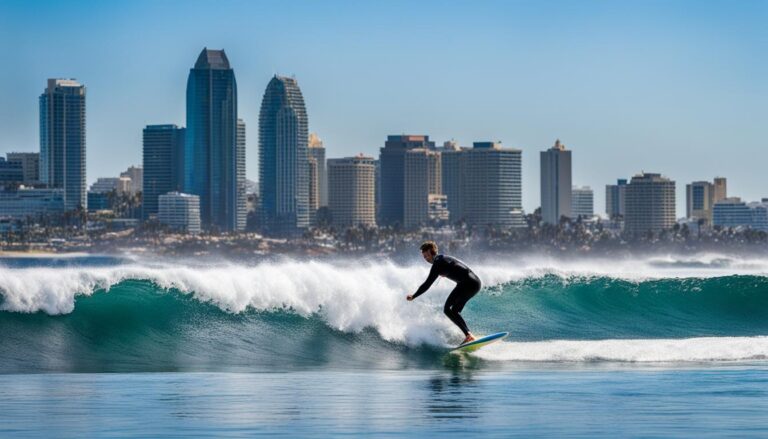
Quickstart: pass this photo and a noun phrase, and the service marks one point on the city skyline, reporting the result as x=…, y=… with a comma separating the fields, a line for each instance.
x=653, y=87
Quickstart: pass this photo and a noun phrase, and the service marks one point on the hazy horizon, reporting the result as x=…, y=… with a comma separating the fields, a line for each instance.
x=668, y=87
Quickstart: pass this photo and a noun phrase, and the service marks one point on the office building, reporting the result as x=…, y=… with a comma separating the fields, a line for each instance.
x=212, y=161
x=283, y=163
x=555, y=183
x=120, y=185
x=316, y=150
x=11, y=174
x=62, y=140
x=392, y=160
x=163, y=164
x=351, y=191
x=451, y=155
x=136, y=174
x=419, y=169
x=650, y=204
x=491, y=185
x=27, y=202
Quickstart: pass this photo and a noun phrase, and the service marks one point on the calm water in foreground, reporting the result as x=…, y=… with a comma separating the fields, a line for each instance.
x=707, y=401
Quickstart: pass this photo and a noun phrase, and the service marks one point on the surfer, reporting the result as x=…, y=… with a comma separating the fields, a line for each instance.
x=467, y=284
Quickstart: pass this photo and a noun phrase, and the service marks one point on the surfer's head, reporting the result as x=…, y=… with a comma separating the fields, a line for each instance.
x=429, y=251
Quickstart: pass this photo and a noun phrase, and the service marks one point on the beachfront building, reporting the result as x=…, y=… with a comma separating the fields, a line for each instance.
x=283, y=163
x=62, y=140
x=700, y=198
x=120, y=185
x=555, y=183
x=733, y=212
x=180, y=212
x=650, y=204
x=451, y=154
x=351, y=191
x=421, y=177
x=136, y=174
x=11, y=173
x=614, y=198
x=582, y=202
x=214, y=167
x=316, y=150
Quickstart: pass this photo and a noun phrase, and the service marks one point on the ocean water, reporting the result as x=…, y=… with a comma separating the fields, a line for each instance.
x=662, y=346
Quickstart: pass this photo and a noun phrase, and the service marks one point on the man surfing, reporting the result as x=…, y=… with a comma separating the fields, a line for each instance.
x=467, y=284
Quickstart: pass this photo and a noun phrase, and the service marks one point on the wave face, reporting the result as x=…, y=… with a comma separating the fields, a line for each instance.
x=131, y=315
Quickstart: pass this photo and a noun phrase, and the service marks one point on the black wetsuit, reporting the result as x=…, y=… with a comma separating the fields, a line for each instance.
x=467, y=285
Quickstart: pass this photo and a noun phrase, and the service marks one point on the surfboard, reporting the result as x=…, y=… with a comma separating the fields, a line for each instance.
x=480, y=342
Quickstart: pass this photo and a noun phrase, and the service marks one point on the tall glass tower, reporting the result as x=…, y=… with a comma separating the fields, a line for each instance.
x=62, y=140
x=212, y=165
x=283, y=161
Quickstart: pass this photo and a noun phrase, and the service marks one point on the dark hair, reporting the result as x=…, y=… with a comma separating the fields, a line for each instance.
x=429, y=246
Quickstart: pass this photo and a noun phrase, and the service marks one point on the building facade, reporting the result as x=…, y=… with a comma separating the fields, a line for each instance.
x=163, y=164
x=212, y=164
x=451, y=154
x=317, y=151
x=351, y=191
x=62, y=140
x=180, y=212
x=22, y=203
x=419, y=180
x=650, y=204
x=283, y=163
x=555, y=183
x=392, y=159
x=491, y=185
x=30, y=165
x=582, y=202
x=615, y=196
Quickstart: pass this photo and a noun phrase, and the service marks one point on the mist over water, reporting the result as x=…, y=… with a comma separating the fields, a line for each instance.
x=133, y=315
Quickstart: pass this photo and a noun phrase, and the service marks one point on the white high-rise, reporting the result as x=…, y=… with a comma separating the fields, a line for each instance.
x=351, y=191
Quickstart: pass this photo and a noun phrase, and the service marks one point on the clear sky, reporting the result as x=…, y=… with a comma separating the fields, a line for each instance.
x=676, y=87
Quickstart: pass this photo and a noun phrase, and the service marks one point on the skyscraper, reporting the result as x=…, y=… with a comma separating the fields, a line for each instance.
x=555, y=183
x=283, y=163
x=582, y=202
x=650, y=204
x=392, y=175
x=351, y=191
x=420, y=179
x=163, y=163
x=720, y=189
x=491, y=185
x=212, y=163
x=242, y=184
x=62, y=140
x=451, y=155
x=614, y=198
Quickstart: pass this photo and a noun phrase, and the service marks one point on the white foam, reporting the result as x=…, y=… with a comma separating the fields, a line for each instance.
x=638, y=350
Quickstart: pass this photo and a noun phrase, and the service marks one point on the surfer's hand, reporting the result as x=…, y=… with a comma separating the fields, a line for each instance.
x=409, y=297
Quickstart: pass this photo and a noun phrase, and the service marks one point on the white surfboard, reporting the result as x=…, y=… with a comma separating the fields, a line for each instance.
x=480, y=342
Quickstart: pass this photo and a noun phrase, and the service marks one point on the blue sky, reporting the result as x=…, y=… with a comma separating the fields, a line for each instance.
x=677, y=87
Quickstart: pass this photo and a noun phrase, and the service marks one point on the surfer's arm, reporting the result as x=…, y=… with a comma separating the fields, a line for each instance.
x=427, y=283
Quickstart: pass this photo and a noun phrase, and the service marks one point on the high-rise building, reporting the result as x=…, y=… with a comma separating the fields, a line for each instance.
x=615, y=198
x=491, y=185
x=555, y=183
x=451, y=155
x=314, y=189
x=163, y=164
x=317, y=151
x=392, y=176
x=62, y=140
x=180, y=212
x=212, y=163
x=582, y=202
x=283, y=163
x=351, y=190
x=419, y=180
x=30, y=165
x=650, y=204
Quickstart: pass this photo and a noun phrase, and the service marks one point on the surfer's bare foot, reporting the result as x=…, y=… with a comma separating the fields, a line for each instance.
x=469, y=338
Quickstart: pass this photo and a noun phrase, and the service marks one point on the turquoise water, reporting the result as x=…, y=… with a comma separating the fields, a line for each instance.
x=654, y=347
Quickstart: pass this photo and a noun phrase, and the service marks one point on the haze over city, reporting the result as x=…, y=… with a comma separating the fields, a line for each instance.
x=655, y=86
